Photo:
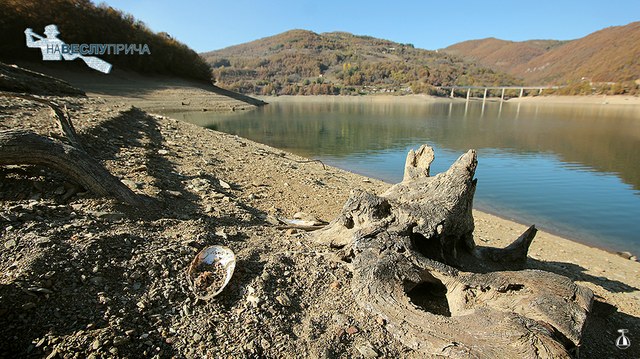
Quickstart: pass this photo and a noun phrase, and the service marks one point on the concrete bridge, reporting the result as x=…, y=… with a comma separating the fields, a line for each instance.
x=502, y=88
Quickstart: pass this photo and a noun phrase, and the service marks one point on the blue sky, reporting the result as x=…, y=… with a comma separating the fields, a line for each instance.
x=211, y=25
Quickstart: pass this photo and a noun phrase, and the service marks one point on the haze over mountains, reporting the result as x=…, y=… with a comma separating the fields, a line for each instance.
x=608, y=55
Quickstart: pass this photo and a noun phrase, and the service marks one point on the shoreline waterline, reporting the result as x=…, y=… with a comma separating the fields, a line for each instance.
x=370, y=135
x=421, y=98
x=487, y=210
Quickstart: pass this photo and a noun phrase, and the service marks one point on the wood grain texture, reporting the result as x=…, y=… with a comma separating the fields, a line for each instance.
x=405, y=246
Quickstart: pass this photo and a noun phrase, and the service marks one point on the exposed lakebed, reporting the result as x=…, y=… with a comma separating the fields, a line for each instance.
x=570, y=169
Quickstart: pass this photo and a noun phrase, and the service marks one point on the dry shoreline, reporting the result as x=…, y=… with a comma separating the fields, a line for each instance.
x=610, y=276
x=582, y=100
x=413, y=99
x=182, y=167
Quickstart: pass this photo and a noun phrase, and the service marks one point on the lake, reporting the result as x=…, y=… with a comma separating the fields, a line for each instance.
x=570, y=169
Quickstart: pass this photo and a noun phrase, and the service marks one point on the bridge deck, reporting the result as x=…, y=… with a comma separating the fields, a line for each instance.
x=487, y=88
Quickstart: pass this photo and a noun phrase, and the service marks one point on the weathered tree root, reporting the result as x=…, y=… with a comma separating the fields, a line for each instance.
x=404, y=243
x=19, y=147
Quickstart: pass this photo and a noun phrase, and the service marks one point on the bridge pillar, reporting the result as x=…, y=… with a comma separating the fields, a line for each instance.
x=521, y=92
x=502, y=95
x=468, y=93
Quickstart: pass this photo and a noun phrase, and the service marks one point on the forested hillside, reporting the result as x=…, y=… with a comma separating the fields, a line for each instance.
x=501, y=54
x=301, y=62
x=605, y=61
x=80, y=21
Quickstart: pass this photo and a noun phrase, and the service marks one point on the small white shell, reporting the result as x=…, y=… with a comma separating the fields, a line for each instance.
x=207, y=258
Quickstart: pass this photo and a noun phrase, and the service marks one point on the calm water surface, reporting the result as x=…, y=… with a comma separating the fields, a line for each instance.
x=570, y=169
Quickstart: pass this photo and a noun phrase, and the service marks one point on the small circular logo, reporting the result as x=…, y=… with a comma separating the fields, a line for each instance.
x=623, y=342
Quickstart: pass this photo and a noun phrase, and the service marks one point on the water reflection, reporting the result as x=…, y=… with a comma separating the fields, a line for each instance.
x=565, y=165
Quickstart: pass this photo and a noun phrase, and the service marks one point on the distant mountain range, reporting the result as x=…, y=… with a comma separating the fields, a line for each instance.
x=608, y=55
x=303, y=62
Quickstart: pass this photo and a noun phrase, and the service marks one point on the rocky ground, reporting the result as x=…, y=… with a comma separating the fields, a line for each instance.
x=87, y=277
x=82, y=276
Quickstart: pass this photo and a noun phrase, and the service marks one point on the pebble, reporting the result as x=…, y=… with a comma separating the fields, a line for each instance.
x=39, y=290
x=197, y=337
x=253, y=300
x=129, y=183
x=163, y=152
x=96, y=344
x=53, y=354
x=224, y=184
x=108, y=216
x=10, y=244
x=120, y=340
x=352, y=330
x=283, y=300
x=176, y=194
x=367, y=350
x=42, y=241
x=28, y=305
x=265, y=344
x=625, y=255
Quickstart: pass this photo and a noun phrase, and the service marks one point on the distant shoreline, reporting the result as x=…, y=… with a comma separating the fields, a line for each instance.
x=577, y=100
x=420, y=98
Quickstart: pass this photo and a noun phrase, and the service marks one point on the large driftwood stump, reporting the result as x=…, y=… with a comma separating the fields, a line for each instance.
x=405, y=244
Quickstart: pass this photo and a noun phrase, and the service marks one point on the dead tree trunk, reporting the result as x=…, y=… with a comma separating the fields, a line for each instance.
x=25, y=147
x=404, y=244
x=19, y=147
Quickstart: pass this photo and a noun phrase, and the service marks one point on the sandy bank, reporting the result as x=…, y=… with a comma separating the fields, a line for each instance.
x=417, y=99
x=408, y=99
x=576, y=100
x=151, y=93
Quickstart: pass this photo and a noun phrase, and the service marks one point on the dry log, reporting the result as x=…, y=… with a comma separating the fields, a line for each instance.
x=64, y=121
x=25, y=147
x=404, y=245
